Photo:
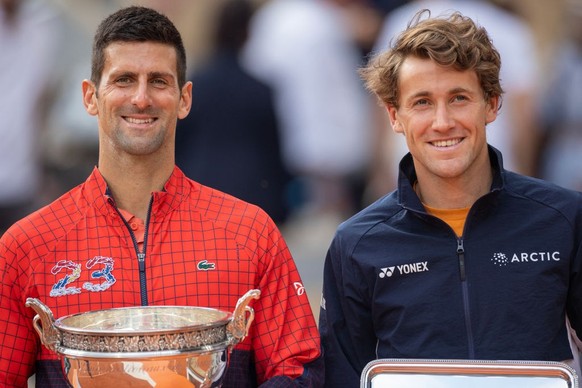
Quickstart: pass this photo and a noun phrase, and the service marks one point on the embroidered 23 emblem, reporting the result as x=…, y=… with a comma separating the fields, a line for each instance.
x=104, y=272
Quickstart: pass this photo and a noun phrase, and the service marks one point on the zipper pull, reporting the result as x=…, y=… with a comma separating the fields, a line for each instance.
x=141, y=261
x=461, y=255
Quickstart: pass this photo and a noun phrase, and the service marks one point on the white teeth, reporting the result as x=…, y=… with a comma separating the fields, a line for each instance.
x=139, y=121
x=446, y=143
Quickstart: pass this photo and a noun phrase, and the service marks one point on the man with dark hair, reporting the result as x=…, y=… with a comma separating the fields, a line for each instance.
x=465, y=260
x=162, y=238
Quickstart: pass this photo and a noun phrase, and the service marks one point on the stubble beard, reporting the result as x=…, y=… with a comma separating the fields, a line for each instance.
x=139, y=145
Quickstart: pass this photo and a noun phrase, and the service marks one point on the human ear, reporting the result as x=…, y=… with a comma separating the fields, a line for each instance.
x=394, y=121
x=90, y=97
x=185, y=100
x=492, y=109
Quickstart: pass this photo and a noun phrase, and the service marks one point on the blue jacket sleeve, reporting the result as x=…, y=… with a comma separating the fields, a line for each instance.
x=345, y=320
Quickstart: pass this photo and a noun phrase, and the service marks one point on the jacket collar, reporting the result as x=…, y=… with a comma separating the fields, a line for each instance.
x=177, y=186
x=407, y=176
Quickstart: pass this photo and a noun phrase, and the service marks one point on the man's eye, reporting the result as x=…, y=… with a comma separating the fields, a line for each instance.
x=159, y=82
x=459, y=98
x=421, y=102
x=123, y=80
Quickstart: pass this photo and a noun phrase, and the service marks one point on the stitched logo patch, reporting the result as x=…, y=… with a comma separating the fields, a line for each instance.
x=501, y=259
x=403, y=269
x=299, y=288
x=204, y=265
x=102, y=270
x=386, y=272
x=72, y=272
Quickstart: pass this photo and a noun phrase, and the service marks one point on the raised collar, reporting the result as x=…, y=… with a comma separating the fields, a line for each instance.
x=407, y=176
x=175, y=189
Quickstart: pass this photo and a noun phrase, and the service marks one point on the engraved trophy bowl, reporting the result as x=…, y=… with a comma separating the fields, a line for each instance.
x=151, y=346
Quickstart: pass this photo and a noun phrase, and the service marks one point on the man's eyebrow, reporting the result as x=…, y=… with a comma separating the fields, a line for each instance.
x=459, y=90
x=153, y=74
x=422, y=93
x=156, y=74
x=426, y=93
x=123, y=73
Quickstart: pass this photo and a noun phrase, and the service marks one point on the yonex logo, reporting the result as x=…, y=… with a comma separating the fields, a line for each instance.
x=386, y=272
x=403, y=269
x=501, y=259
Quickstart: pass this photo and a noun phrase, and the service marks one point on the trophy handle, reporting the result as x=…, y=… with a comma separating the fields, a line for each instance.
x=43, y=324
x=238, y=327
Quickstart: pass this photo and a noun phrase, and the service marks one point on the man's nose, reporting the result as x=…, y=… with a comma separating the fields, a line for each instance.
x=442, y=119
x=141, y=97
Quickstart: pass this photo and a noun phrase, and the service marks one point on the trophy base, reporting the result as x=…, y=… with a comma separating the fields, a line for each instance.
x=191, y=371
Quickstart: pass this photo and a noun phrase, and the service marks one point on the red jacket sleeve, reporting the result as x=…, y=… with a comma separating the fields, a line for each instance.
x=284, y=337
x=18, y=340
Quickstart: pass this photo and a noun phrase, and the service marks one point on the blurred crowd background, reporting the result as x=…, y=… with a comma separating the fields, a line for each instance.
x=280, y=117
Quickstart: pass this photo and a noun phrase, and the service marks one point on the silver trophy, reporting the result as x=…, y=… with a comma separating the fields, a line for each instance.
x=152, y=346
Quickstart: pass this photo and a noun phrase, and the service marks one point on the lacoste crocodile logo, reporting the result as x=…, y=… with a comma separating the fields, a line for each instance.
x=204, y=265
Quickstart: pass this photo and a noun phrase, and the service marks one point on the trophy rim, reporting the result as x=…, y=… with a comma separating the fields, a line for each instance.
x=63, y=324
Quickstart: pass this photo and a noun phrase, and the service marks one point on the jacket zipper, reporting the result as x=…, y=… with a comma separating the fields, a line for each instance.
x=143, y=287
x=465, y=291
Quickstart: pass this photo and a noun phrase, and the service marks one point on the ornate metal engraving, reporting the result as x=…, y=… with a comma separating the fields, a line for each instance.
x=144, y=343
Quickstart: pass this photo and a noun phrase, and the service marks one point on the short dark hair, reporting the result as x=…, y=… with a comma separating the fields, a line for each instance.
x=136, y=24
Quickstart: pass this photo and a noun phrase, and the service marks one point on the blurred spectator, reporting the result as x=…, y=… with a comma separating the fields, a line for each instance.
x=70, y=141
x=514, y=132
x=363, y=20
x=304, y=50
x=387, y=6
x=230, y=139
x=29, y=37
x=561, y=116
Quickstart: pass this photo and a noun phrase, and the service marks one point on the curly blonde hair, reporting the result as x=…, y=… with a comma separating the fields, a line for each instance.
x=454, y=41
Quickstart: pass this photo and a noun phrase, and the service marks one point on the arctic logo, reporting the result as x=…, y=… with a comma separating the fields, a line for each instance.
x=501, y=259
x=403, y=269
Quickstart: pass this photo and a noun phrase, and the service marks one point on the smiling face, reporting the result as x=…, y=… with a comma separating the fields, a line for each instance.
x=138, y=100
x=443, y=113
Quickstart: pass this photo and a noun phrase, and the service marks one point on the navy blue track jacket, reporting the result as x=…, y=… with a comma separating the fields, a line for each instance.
x=398, y=282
